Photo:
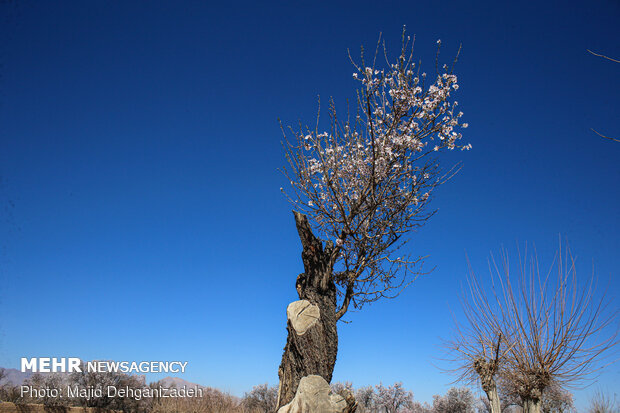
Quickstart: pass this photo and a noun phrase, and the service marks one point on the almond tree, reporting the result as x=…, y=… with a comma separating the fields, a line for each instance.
x=456, y=400
x=358, y=190
x=393, y=399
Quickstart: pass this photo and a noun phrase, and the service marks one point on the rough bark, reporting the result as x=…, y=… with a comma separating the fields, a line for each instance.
x=486, y=371
x=532, y=393
x=532, y=406
x=314, y=351
x=493, y=399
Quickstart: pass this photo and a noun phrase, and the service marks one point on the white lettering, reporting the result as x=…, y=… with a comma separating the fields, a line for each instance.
x=29, y=364
x=183, y=364
x=74, y=365
x=44, y=365
x=91, y=366
x=58, y=364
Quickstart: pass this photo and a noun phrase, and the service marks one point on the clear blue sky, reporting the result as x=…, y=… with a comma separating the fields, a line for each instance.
x=141, y=216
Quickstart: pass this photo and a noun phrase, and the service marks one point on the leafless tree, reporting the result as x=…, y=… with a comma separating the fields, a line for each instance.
x=361, y=187
x=603, y=403
x=10, y=393
x=555, y=399
x=211, y=401
x=85, y=379
x=47, y=381
x=479, y=347
x=262, y=399
x=554, y=327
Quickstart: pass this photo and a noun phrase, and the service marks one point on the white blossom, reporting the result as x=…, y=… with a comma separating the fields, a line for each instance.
x=360, y=182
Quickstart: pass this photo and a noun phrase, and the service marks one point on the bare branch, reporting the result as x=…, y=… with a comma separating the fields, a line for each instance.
x=603, y=56
x=554, y=329
x=606, y=137
x=366, y=183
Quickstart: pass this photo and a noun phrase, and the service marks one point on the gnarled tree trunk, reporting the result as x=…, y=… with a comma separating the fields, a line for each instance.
x=532, y=393
x=487, y=369
x=491, y=392
x=532, y=406
x=311, y=346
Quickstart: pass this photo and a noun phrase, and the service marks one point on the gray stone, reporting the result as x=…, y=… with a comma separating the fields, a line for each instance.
x=302, y=315
x=314, y=396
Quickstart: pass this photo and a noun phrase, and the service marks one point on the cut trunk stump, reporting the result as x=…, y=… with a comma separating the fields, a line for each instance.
x=312, y=343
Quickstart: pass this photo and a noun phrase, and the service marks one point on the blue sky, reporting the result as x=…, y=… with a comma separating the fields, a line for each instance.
x=139, y=155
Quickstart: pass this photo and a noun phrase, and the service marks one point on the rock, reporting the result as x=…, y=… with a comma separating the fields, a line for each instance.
x=302, y=315
x=314, y=396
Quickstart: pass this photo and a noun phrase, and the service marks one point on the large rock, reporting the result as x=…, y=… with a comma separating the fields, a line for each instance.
x=302, y=315
x=314, y=396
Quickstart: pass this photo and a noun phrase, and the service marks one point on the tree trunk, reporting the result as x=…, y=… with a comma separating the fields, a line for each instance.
x=312, y=348
x=493, y=399
x=532, y=406
x=486, y=372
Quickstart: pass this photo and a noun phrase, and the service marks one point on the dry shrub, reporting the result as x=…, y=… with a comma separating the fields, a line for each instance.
x=212, y=401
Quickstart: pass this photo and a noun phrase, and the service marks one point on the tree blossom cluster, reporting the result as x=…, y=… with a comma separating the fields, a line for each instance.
x=366, y=182
x=397, y=399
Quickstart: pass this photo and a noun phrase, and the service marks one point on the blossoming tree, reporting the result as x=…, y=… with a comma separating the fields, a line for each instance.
x=358, y=190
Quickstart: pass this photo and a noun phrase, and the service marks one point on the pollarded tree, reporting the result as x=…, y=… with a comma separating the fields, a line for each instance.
x=555, y=399
x=358, y=190
x=558, y=328
x=554, y=329
x=479, y=347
